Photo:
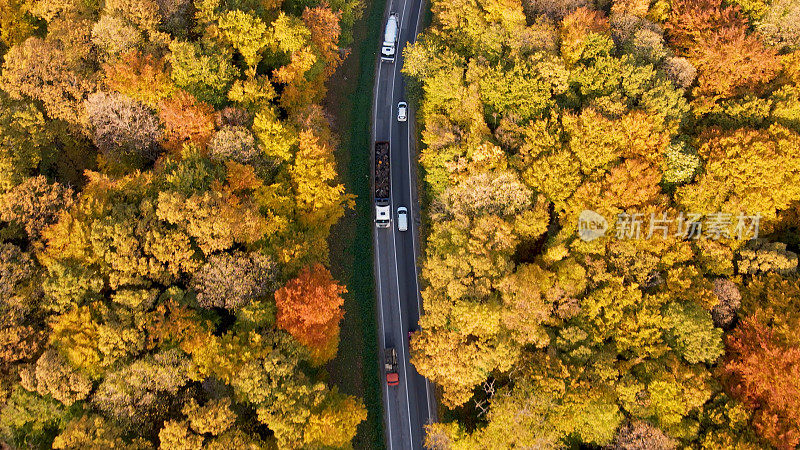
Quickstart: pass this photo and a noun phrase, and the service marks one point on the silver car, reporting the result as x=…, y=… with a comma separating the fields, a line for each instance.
x=402, y=112
x=402, y=218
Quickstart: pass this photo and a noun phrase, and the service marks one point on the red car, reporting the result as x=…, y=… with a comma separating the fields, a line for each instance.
x=392, y=378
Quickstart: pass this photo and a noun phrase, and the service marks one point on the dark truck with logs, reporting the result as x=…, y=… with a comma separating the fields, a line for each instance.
x=383, y=185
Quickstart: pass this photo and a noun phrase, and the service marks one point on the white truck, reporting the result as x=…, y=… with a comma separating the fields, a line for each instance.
x=390, y=38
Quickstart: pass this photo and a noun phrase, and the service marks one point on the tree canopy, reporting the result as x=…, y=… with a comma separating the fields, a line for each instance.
x=167, y=188
x=597, y=174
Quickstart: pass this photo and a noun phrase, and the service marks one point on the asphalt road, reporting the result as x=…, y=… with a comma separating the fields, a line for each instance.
x=409, y=406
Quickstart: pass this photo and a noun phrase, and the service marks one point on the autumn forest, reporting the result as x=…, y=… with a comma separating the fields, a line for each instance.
x=680, y=117
x=168, y=186
x=610, y=227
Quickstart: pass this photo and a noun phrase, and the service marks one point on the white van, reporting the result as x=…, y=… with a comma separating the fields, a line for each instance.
x=402, y=218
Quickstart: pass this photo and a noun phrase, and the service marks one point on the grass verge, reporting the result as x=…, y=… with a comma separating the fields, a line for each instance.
x=349, y=101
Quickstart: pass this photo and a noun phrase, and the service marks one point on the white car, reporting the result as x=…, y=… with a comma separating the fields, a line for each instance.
x=402, y=112
x=402, y=218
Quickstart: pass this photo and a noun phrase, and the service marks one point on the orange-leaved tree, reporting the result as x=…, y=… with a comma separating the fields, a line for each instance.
x=186, y=120
x=729, y=60
x=325, y=29
x=309, y=308
x=764, y=373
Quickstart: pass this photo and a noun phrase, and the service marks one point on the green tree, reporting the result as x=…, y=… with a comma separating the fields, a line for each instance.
x=205, y=73
x=526, y=88
x=24, y=138
x=246, y=33
x=726, y=424
x=28, y=418
x=692, y=334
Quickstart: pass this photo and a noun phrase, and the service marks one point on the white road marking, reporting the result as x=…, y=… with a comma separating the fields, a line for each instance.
x=382, y=355
x=413, y=239
x=402, y=346
x=394, y=241
x=394, y=232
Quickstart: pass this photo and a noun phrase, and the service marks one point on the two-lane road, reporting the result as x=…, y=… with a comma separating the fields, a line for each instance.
x=409, y=406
